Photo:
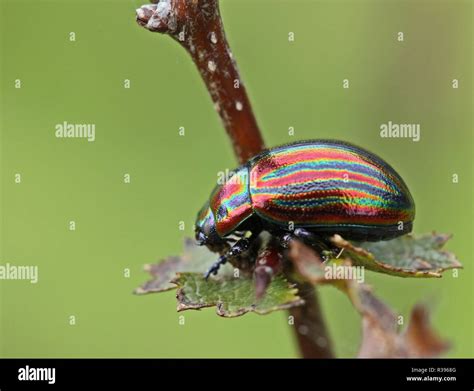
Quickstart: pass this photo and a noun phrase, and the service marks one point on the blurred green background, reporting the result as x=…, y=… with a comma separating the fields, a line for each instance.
x=119, y=226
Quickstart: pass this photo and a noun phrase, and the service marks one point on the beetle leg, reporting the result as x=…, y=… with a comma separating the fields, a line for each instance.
x=300, y=234
x=318, y=243
x=215, y=266
x=306, y=236
x=285, y=240
x=238, y=248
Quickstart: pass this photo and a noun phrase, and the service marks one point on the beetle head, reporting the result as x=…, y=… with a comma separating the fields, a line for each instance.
x=205, y=228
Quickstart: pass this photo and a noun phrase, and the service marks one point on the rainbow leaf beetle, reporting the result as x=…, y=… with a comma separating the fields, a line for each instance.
x=307, y=190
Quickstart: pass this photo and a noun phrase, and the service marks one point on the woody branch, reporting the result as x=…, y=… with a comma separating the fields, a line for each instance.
x=197, y=26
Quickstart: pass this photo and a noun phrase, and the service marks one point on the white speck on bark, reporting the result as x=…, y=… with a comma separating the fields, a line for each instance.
x=163, y=8
x=141, y=13
x=213, y=37
x=303, y=329
x=239, y=106
x=146, y=11
x=322, y=342
x=154, y=22
x=211, y=65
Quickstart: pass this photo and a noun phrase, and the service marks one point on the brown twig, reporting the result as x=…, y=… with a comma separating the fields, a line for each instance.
x=310, y=327
x=197, y=26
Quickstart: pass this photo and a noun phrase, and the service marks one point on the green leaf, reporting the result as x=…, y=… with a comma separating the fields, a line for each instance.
x=381, y=334
x=194, y=259
x=234, y=296
x=406, y=256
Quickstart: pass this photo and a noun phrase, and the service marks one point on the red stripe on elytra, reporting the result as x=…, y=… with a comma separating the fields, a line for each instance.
x=262, y=199
x=268, y=163
x=232, y=220
x=226, y=192
x=331, y=217
x=315, y=175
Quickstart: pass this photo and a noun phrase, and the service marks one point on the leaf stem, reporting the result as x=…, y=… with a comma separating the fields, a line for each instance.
x=198, y=27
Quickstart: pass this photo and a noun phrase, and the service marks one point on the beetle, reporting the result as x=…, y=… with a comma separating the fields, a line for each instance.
x=308, y=190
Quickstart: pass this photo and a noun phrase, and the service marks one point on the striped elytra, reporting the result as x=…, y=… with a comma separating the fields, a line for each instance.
x=325, y=186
